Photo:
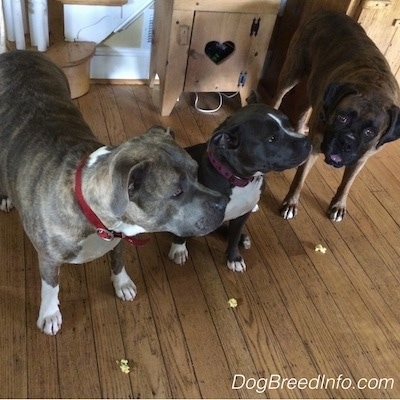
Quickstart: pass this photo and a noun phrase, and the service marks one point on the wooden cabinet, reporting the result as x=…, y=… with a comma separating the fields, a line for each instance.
x=210, y=46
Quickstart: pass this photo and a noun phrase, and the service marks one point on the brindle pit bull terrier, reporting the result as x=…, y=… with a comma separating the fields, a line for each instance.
x=354, y=98
x=78, y=198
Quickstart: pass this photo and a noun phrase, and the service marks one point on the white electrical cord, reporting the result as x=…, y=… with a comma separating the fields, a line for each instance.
x=228, y=96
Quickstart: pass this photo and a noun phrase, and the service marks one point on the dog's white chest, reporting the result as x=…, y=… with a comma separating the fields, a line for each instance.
x=244, y=199
x=93, y=247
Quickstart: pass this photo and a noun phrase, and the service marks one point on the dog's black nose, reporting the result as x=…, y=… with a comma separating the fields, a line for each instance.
x=219, y=204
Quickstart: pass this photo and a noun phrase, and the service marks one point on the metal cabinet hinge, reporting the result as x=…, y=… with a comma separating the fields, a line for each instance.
x=242, y=78
x=255, y=26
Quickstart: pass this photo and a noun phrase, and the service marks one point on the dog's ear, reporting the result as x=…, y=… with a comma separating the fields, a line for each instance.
x=224, y=139
x=393, y=131
x=127, y=178
x=334, y=93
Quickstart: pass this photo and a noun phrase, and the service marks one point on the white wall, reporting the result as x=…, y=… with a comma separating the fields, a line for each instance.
x=121, y=55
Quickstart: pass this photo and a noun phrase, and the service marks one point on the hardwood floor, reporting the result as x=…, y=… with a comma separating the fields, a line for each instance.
x=330, y=322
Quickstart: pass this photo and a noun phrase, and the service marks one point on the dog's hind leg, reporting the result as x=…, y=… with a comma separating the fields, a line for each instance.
x=124, y=287
x=293, y=71
x=5, y=203
x=289, y=205
x=284, y=87
x=49, y=320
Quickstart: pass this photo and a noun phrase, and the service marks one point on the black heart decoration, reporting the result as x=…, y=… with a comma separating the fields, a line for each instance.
x=218, y=52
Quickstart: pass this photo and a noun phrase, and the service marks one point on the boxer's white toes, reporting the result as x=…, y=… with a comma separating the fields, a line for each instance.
x=288, y=211
x=336, y=214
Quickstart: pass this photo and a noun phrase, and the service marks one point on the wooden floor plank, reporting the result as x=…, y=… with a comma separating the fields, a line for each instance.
x=232, y=340
x=316, y=336
x=13, y=342
x=364, y=311
x=338, y=312
x=76, y=354
x=129, y=110
x=149, y=377
x=111, y=112
x=92, y=112
x=198, y=327
x=372, y=248
x=108, y=343
x=177, y=358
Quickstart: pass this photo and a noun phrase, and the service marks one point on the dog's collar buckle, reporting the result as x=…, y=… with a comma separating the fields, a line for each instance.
x=105, y=234
x=101, y=230
x=233, y=179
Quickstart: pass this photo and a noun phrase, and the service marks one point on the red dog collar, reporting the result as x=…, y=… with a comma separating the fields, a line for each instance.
x=101, y=230
x=233, y=179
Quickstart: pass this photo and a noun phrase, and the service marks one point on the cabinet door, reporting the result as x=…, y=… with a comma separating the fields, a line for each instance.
x=214, y=35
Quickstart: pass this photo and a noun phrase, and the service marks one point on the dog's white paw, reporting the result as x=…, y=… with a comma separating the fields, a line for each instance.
x=49, y=320
x=337, y=211
x=288, y=211
x=50, y=324
x=237, y=266
x=124, y=287
x=178, y=253
x=6, y=204
x=336, y=214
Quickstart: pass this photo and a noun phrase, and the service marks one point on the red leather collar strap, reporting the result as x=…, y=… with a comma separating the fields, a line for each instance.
x=233, y=179
x=101, y=230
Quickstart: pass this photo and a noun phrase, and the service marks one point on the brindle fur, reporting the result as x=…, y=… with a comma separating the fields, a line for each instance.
x=148, y=183
x=346, y=73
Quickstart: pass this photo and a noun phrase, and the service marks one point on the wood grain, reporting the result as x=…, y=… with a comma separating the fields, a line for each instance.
x=300, y=314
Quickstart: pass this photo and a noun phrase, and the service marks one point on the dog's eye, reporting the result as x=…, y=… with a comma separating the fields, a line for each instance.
x=272, y=139
x=369, y=132
x=343, y=119
x=178, y=192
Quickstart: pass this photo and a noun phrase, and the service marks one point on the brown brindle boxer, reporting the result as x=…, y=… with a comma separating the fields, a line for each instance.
x=353, y=95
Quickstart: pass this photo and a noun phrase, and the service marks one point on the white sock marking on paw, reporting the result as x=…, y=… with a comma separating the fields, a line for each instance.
x=50, y=319
x=6, y=204
x=236, y=266
x=178, y=253
x=124, y=287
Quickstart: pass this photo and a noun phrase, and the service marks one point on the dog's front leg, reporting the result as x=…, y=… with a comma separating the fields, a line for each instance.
x=289, y=205
x=337, y=207
x=124, y=287
x=234, y=260
x=49, y=320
